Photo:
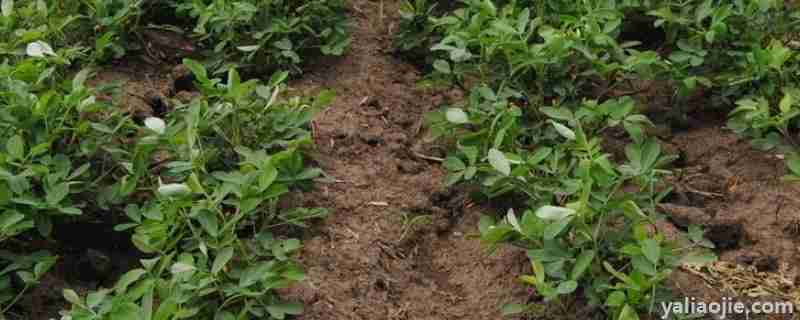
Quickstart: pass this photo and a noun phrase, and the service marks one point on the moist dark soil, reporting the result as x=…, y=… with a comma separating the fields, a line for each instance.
x=90, y=253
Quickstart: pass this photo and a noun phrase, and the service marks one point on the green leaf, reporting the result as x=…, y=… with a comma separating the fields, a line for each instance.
x=127, y=279
x=499, y=161
x=197, y=69
x=284, y=44
x=125, y=311
x=209, y=222
x=701, y=258
x=442, y=66
x=279, y=311
x=224, y=315
x=643, y=265
x=248, y=48
x=223, y=256
x=583, y=262
x=95, y=298
x=254, y=274
x=7, y=7
x=233, y=79
x=513, y=308
x=174, y=190
x=454, y=164
x=628, y=313
x=793, y=164
x=457, y=116
x=155, y=124
x=15, y=147
x=563, y=130
x=540, y=154
x=57, y=193
x=554, y=213
x=43, y=266
x=5, y=194
x=503, y=27
x=80, y=78
x=553, y=229
x=615, y=299
x=567, y=287
x=78, y=172
x=562, y=113
x=511, y=218
x=324, y=98
x=10, y=218
x=490, y=7
x=618, y=275
x=786, y=103
x=632, y=211
x=651, y=250
x=27, y=277
x=538, y=271
x=71, y=296
x=194, y=184
x=181, y=267
x=650, y=152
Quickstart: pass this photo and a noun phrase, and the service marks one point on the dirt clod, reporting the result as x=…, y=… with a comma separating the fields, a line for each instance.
x=371, y=137
x=410, y=167
x=725, y=236
x=683, y=216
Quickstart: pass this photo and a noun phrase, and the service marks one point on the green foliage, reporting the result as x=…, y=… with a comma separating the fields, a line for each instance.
x=28, y=268
x=273, y=33
x=198, y=189
x=256, y=35
x=416, y=31
x=233, y=152
x=533, y=121
x=563, y=49
x=579, y=218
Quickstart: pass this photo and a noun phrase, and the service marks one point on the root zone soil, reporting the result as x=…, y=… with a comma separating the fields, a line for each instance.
x=371, y=259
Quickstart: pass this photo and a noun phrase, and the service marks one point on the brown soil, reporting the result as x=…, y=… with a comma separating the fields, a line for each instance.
x=748, y=212
x=368, y=260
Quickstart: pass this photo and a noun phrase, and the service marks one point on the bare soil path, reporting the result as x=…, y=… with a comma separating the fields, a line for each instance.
x=368, y=260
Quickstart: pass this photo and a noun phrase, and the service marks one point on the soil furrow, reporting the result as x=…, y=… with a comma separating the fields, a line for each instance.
x=396, y=245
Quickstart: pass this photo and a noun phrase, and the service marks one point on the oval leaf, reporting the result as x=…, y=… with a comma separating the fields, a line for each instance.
x=567, y=287
x=39, y=49
x=72, y=296
x=174, y=190
x=651, y=250
x=7, y=7
x=554, y=213
x=457, y=115
x=512, y=220
x=563, y=130
x=442, y=66
x=499, y=161
x=180, y=267
x=155, y=124
x=223, y=256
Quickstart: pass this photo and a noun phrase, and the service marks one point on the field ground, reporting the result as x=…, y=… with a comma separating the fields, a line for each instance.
x=362, y=266
x=371, y=144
